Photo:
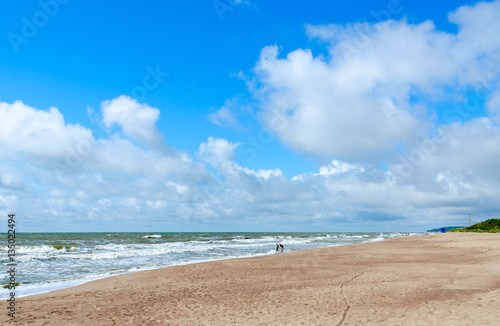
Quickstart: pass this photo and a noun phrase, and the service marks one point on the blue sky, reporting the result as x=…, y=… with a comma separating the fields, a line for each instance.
x=367, y=116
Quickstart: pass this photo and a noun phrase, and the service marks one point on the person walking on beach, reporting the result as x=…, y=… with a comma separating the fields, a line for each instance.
x=282, y=247
x=277, y=248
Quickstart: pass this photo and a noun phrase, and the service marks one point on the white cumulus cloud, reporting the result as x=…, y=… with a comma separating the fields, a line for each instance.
x=358, y=103
x=137, y=121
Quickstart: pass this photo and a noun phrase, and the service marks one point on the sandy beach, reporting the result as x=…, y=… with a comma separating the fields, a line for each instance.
x=445, y=279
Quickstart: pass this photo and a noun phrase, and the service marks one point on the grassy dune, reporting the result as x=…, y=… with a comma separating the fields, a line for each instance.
x=490, y=226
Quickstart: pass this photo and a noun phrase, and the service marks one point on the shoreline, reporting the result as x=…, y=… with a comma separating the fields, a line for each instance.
x=29, y=296
x=188, y=263
x=444, y=279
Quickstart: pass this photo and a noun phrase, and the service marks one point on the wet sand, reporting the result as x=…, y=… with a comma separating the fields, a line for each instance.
x=445, y=279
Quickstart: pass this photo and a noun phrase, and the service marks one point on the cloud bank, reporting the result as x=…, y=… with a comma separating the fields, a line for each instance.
x=405, y=114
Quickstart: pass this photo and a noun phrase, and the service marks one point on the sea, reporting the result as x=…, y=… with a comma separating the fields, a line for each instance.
x=50, y=261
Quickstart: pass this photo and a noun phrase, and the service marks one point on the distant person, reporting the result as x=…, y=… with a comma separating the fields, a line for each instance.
x=277, y=248
x=282, y=247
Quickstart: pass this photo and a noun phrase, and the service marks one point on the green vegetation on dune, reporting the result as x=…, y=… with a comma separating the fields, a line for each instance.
x=490, y=226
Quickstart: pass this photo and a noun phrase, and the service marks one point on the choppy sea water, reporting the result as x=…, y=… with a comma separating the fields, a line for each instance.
x=51, y=261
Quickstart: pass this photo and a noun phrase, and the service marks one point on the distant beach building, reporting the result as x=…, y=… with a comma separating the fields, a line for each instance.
x=445, y=229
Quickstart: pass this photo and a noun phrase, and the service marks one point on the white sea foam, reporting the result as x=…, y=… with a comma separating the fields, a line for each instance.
x=152, y=236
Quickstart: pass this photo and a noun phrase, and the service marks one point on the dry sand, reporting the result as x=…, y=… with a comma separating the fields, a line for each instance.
x=446, y=279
